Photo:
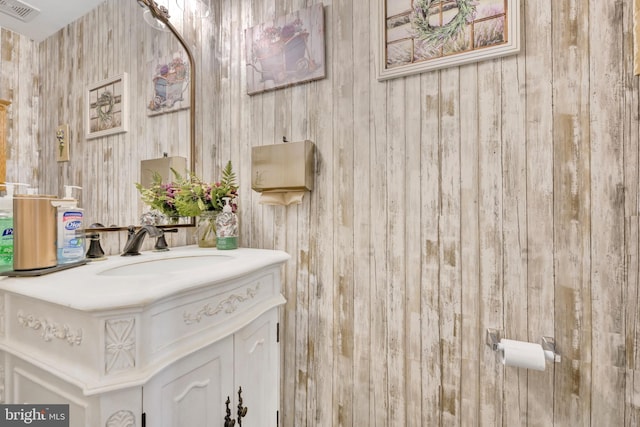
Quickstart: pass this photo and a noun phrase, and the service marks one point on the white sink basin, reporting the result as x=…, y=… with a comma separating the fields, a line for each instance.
x=165, y=265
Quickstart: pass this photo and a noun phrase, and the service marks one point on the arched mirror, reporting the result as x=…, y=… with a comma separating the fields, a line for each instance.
x=163, y=124
x=113, y=42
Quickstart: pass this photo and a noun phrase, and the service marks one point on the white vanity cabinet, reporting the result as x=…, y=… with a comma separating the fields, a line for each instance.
x=194, y=391
x=148, y=348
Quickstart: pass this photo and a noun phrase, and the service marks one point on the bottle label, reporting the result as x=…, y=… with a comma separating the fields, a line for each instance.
x=225, y=243
x=73, y=225
x=71, y=237
x=6, y=244
x=72, y=220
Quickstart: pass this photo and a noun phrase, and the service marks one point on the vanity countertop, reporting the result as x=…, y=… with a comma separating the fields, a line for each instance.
x=92, y=287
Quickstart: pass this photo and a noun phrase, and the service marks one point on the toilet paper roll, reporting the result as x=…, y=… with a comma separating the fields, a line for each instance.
x=284, y=198
x=521, y=354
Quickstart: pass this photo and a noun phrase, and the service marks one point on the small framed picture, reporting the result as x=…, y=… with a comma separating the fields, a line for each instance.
x=171, y=78
x=106, y=107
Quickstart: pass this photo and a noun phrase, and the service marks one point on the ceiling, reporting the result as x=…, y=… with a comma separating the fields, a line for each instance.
x=54, y=15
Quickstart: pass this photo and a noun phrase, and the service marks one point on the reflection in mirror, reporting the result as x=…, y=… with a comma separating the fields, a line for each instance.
x=111, y=40
x=158, y=18
x=3, y=139
x=199, y=8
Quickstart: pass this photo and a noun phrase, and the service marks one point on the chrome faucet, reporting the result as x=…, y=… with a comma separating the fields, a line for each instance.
x=132, y=247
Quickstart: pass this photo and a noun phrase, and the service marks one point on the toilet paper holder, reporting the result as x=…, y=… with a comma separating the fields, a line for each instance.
x=548, y=344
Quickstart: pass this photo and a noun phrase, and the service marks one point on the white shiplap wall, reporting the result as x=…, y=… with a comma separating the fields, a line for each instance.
x=502, y=194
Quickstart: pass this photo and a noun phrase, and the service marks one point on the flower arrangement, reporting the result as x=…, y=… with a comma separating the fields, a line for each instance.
x=195, y=196
x=273, y=35
x=160, y=196
x=189, y=195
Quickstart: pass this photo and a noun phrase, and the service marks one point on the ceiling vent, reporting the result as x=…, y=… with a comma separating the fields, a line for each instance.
x=18, y=9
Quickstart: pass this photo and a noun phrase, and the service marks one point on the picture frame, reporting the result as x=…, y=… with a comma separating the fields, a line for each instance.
x=170, y=78
x=422, y=35
x=106, y=107
x=286, y=51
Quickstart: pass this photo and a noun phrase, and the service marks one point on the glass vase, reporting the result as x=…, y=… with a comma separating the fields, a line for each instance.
x=206, y=229
x=172, y=220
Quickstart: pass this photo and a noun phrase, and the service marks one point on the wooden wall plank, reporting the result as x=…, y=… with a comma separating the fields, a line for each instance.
x=473, y=350
x=320, y=406
x=450, y=290
x=515, y=216
x=431, y=169
x=379, y=401
x=572, y=222
x=343, y=226
x=413, y=272
x=607, y=218
x=632, y=249
x=632, y=320
x=490, y=210
x=363, y=211
x=396, y=251
x=539, y=192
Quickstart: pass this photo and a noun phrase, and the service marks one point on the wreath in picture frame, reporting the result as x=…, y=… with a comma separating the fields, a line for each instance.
x=104, y=109
x=437, y=35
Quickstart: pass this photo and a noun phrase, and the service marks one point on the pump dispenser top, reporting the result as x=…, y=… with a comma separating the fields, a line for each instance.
x=68, y=191
x=10, y=188
x=6, y=202
x=68, y=200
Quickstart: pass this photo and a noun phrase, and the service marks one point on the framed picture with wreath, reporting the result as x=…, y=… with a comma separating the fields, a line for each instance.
x=424, y=35
x=106, y=107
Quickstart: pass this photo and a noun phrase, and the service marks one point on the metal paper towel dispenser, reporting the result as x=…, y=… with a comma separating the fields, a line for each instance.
x=161, y=166
x=283, y=167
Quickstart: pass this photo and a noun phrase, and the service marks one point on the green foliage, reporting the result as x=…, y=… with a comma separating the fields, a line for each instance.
x=190, y=196
x=160, y=196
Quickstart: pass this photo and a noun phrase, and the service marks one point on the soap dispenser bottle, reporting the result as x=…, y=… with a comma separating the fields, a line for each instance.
x=227, y=227
x=70, y=242
x=6, y=228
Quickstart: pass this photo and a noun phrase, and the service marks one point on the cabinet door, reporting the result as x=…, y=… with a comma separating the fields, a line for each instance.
x=31, y=385
x=257, y=368
x=192, y=391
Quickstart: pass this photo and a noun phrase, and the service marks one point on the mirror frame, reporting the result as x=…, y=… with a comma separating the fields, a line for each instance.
x=162, y=14
x=4, y=105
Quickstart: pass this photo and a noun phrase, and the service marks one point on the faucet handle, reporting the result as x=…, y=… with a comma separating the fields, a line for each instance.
x=135, y=238
x=161, y=242
x=95, y=250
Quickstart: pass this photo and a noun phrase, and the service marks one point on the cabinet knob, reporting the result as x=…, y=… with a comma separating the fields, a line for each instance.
x=242, y=410
x=228, y=422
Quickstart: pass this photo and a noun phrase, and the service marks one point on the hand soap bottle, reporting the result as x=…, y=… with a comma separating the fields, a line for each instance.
x=227, y=227
x=6, y=228
x=70, y=242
